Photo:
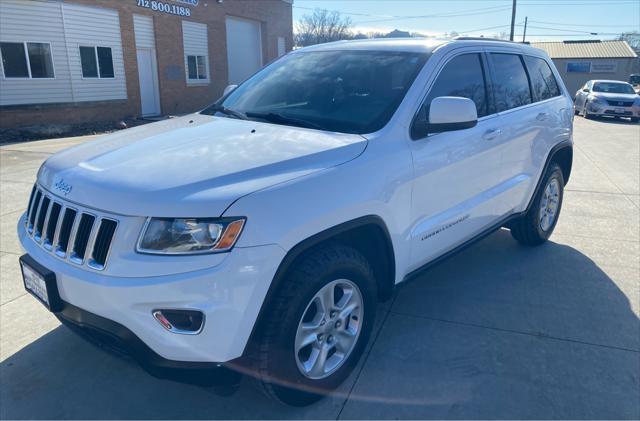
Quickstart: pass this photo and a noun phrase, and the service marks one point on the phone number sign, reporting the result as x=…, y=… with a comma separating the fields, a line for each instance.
x=169, y=8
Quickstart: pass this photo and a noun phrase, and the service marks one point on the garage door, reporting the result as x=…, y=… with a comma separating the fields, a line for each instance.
x=244, y=48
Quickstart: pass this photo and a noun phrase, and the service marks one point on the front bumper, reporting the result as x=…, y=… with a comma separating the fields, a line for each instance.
x=117, y=339
x=598, y=109
x=229, y=294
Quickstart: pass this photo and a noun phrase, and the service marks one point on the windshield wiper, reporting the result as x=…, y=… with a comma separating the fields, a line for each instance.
x=224, y=110
x=281, y=119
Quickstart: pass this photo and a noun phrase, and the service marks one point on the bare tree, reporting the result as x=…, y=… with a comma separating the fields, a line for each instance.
x=322, y=26
x=632, y=38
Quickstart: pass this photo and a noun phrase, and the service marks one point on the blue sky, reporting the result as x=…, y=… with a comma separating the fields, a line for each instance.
x=548, y=19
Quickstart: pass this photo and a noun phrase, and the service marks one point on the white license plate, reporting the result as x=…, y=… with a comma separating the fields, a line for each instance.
x=619, y=110
x=35, y=283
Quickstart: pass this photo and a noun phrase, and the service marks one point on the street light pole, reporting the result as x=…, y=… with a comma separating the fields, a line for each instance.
x=513, y=20
x=524, y=34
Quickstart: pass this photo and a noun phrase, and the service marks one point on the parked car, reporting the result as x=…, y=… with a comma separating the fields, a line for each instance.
x=607, y=98
x=634, y=80
x=260, y=233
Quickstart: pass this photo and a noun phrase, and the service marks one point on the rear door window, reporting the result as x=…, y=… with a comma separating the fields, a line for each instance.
x=543, y=82
x=511, y=82
x=463, y=76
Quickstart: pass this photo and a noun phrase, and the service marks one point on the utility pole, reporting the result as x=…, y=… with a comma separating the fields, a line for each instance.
x=513, y=20
x=524, y=34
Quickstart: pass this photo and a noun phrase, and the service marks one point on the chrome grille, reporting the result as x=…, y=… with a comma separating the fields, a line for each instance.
x=52, y=225
x=70, y=233
x=620, y=103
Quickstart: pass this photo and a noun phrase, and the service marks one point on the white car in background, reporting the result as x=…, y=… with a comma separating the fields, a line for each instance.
x=260, y=233
x=608, y=98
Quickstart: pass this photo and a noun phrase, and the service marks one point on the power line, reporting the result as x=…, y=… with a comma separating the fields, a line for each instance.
x=580, y=25
x=483, y=29
x=618, y=3
x=561, y=30
x=468, y=12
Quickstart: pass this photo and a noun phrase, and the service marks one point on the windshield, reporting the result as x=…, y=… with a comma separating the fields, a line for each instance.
x=613, y=88
x=340, y=91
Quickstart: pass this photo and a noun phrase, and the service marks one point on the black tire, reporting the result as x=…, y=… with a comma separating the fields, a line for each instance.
x=526, y=229
x=586, y=114
x=277, y=365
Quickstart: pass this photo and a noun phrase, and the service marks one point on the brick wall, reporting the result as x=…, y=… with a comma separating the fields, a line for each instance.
x=175, y=96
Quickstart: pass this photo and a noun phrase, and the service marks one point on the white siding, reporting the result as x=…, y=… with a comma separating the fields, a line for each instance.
x=143, y=27
x=196, y=43
x=92, y=26
x=39, y=22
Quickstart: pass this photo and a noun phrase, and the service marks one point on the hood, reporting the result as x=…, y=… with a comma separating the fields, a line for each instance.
x=615, y=97
x=193, y=166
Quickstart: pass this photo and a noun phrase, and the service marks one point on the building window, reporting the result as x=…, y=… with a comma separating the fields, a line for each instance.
x=97, y=62
x=282, y=47
x=27, y=60
x=195, y=40
x=197, y=67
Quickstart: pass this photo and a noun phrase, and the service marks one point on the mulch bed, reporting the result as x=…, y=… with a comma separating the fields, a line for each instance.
x=25, y=134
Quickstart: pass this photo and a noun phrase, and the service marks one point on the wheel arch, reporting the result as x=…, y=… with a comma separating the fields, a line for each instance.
x=564, y=157
x=562, y=154
x=368, y=234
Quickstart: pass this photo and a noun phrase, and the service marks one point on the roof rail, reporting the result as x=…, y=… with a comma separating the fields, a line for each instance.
x=484, y=39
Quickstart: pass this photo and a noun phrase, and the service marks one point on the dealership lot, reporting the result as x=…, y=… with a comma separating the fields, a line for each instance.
x=497, y=331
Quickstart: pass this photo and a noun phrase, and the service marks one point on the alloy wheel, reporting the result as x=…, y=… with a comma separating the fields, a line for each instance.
x=329, y=329
x=549, y=204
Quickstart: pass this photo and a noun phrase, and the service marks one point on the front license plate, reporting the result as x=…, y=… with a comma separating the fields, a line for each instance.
x=619, y=110
x=40, y=282
x=35, y=284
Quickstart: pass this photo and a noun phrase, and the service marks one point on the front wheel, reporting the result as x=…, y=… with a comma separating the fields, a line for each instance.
x=535, y=227
x=318, y=326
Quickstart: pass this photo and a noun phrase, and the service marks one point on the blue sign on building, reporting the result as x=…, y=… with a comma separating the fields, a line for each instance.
x=579, y=67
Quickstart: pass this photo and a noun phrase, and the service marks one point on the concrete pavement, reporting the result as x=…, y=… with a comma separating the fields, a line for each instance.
x=497, y=331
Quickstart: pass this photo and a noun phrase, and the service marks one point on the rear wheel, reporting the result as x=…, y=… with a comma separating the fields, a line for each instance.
x=536, y=226
x=318, y=326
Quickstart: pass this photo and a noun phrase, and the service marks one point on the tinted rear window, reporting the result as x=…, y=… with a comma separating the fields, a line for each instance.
x=511, y=82
x=543, y=81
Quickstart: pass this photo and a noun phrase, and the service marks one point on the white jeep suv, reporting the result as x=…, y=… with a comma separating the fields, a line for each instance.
x=259, y=233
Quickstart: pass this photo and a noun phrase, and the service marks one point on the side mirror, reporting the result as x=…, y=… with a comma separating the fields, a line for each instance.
x=446, y=113
x=229, y=89
x=585, y=90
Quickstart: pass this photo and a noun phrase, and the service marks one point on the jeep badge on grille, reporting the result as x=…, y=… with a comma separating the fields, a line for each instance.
x=63, y=187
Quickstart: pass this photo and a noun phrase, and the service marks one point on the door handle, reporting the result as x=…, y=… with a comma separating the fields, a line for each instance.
x=542, y=116
x=491, y=134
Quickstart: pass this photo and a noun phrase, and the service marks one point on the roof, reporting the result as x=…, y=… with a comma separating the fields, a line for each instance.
x=420, y=45
x=586, y=49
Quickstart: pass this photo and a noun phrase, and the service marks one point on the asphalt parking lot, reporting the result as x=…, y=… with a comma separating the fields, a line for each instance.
x=497, y=331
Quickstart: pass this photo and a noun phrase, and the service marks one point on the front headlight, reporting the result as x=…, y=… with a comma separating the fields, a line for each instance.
x=597, y=100
x=189, y=235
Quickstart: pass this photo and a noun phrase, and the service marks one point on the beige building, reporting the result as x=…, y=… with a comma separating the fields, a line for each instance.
x=76, y=61
x=581, y=61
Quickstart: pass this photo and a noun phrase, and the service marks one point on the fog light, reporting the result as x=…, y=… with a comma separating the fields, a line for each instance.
x=185, y=322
